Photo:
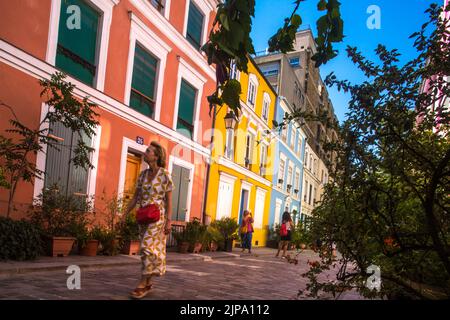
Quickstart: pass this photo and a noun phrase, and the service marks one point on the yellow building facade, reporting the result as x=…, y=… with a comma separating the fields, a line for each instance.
x=242, y=157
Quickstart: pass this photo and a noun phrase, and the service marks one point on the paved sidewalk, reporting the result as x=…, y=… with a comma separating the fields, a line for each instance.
x=44, y=263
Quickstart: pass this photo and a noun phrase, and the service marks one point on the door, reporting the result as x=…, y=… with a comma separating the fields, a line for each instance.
x=181, y=181
x=277, y=211
x=259, y=209
x=224, y=200
x=244, y=204
x=132, y=172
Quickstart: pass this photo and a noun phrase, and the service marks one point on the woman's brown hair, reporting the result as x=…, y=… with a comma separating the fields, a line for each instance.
x=160, y=152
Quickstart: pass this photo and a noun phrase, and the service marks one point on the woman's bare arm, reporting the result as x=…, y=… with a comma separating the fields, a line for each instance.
x=132, y=202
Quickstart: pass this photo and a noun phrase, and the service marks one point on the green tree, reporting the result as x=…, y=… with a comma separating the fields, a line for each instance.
x=389, y=201
x=229, y=40
x=15, y=153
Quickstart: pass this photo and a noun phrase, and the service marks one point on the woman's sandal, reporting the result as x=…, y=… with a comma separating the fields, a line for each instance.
x=140, y=293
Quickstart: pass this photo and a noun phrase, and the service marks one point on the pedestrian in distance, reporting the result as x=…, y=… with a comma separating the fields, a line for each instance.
x=285, y=233
x=246, y=231
x=153, y=190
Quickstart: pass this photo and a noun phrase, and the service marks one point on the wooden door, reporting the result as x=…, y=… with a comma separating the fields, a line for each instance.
x=132, y=172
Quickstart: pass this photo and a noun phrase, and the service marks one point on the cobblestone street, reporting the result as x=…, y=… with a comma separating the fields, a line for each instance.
x=265, y=277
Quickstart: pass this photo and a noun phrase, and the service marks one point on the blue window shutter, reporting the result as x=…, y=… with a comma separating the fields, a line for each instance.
x=76, y=53
x=194, y=26
x=186, y=106
x=143, y=82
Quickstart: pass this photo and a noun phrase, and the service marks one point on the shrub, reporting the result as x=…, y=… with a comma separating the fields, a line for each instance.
x=60, y=215
x=228, y=228
x=195, y=231
x=19, y=240
x=129, y=229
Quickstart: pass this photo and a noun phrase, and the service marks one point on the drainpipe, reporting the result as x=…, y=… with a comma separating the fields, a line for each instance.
x=208, y=167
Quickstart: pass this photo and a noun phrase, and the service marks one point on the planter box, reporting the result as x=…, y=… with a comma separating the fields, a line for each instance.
x=60, y=246
x=90, y=249
x=131, y=248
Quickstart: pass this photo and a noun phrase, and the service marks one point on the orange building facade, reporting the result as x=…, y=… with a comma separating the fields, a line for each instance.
x=139, y=61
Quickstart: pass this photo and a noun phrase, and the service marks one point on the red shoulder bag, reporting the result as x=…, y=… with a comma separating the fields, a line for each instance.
x=148, y=214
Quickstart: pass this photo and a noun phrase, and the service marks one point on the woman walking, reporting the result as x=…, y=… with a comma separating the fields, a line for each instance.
x=285, y=233
x=247, y=231
x=154, y=187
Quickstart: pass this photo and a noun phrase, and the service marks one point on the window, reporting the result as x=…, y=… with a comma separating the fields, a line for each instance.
x=263, y=161
x=305, y=195
x=310, y=193
x=143, y=82
x=270, y=69
x=158, y=4
x=289, y=182
x=194, y=26
x=294, y=62
x=281, y=173
x=292, y=142
x=315, y=167
x=265, y=109
x=249, y=150
x=306, y=159
x=186, y=105
x=297, y=182
x=314, y=196
x=299, y=143
x=229, y=144
x=59, y=170
x=234, y=72
x=76, y=52
x=251, y=93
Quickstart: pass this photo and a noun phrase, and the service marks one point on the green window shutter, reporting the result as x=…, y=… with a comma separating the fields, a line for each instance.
x=77, y=47
x=59, y=170
x=195, y=26
x=186, y=109
x=143, y=82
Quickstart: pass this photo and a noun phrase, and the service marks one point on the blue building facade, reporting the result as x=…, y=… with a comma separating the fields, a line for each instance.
x=288, y=168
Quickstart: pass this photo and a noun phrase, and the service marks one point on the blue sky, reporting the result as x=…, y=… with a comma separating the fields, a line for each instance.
x=399, y=19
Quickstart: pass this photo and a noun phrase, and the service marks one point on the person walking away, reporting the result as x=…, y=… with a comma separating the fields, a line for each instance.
x=285, y=233
x=247, y=231
x=154, y=188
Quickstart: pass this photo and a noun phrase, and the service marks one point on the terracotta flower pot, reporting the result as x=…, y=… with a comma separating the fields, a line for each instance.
x=131, y=247
x=197, y=247
x=213, y=246
x=90, y=249
x=60, y=246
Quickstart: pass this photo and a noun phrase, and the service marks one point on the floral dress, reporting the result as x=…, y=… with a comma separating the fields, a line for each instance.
x=153, y=239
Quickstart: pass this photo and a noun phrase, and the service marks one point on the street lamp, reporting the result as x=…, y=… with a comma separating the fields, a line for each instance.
x=230, y=120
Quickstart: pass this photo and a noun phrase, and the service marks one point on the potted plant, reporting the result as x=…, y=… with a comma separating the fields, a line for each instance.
x=87, y=243
x=60, y=217
x=228, y=227
x=109, y=243
x=195, y=232
x=129, y=231
x=213, y=238
x=182, y=241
